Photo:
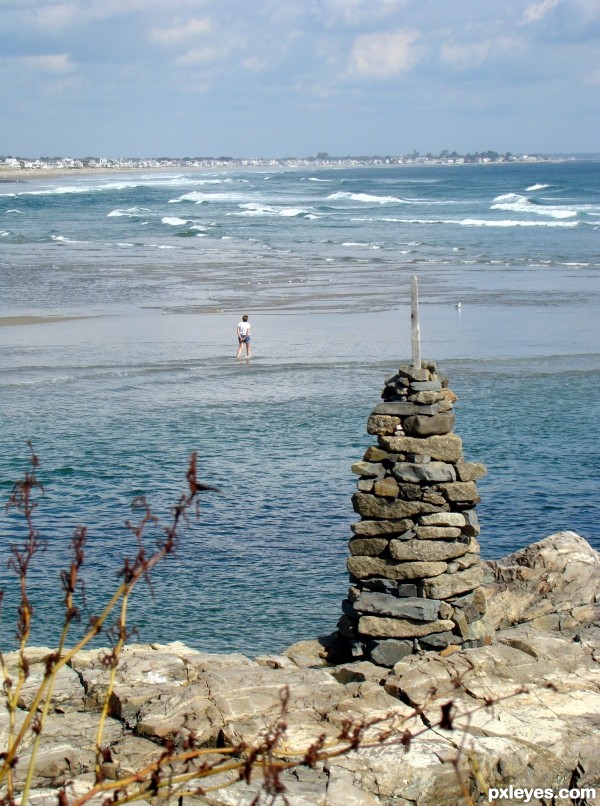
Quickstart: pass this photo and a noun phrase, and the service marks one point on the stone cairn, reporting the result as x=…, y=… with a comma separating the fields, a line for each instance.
x=415, y=568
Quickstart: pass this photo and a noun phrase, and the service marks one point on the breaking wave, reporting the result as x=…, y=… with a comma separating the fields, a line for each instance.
x=365, y=197
x=514, y=202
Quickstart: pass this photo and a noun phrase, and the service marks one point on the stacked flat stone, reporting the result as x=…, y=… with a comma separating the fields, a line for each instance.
x=415, y=568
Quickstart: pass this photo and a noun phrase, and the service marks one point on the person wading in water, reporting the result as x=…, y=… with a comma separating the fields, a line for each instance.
x=243, y=334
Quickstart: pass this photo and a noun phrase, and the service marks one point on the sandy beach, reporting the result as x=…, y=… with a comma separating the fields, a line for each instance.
x=8, y=176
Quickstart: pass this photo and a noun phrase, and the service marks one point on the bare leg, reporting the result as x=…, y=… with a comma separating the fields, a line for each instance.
x=239, y=352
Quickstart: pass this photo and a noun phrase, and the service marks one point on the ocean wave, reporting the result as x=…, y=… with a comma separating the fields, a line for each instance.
x=64, y=239
x=472, y=222
x=537, y=187
x=366, y=244
x=14, y=210
x=173, y=221
x=255, y=209
x=56, y=191
x=199, y=198
x=365, y=197
x=476, y=222
x=514, y=202
x=130, y=212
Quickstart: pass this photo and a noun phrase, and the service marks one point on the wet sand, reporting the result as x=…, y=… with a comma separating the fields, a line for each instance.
x=15, y=321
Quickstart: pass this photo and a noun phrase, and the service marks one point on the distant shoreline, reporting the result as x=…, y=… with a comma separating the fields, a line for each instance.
x=17, y=175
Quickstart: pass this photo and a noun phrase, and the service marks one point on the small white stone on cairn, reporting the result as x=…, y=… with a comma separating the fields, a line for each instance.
x=415, y=567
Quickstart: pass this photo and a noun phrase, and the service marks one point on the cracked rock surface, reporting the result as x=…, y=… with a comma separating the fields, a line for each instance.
x=525, y=711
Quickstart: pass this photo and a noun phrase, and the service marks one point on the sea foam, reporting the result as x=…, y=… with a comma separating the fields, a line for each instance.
x=130, y=212
x=364, y=197
x=514, y=202
x=173, y=221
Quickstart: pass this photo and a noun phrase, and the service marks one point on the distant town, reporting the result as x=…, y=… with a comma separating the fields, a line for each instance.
x=322, y=160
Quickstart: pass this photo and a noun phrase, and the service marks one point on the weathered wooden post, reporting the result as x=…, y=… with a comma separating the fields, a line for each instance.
x=415, y=327
x=414, y=561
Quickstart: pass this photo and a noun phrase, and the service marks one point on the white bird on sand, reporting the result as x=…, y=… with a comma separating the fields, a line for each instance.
x=458, y=304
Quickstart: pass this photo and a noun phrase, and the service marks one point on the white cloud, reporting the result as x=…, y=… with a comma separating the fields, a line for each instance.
x=593, y=78
x=59, y=16
x=589, y=9
x=463, y=56
x=356, y=12
x=175, y=34
x=56, y=17
x=536, y=11
x=198, y=56
x=383, y=55
x=55, y=64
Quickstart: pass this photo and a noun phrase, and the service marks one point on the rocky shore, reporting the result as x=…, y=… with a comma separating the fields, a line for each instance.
x=542, y=672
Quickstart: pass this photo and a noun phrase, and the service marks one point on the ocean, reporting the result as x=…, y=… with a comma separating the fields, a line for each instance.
x=145, y=277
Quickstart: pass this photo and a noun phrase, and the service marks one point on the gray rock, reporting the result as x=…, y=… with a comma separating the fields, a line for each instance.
x=470, y=471
x=427, y=550
x=395, y=409
x=389, y=652
x=400, y=628
x=380, y=585
x=425, y=386
x=376, y=454
x=368, y=546
x=386, y=487
x=426, y=398
x=445, y=448
x=362, y=567
x=371, y=506
x=437, y=532
x=373, y=528
x=68, y=693
x=422, y=426
x=447, y=585
x=465, y=561
x=557, y=576
x=368, y=469
x=440, y=640
x=472, y=527
x=365, y=485
x=407, y=589
x=418, y=458
x=430, y=472
x=383, y=605
x=379, y=424
x=459, y=492
x=190, y=709
x=420, y=374
x=408, y=535
x=443, y=519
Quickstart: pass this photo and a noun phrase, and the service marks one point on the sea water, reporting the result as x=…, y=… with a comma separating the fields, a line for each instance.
x=150, y=273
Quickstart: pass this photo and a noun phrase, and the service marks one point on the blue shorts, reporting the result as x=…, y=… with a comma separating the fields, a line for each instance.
x=245, y=339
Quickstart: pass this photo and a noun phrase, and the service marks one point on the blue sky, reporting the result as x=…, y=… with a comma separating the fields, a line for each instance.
x=280, y=78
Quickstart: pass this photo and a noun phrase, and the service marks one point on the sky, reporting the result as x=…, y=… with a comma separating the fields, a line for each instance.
x=281, y=78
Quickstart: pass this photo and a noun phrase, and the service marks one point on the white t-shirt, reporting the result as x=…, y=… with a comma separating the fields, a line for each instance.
x=244, y=328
